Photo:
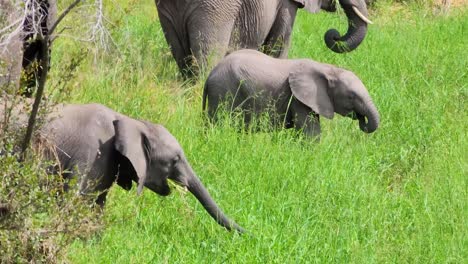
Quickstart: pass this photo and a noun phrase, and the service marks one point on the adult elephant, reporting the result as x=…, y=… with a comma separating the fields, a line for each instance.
x=22, y=54
x=206, y=30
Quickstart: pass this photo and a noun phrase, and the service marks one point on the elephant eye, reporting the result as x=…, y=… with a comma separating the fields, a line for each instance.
x=175, y=159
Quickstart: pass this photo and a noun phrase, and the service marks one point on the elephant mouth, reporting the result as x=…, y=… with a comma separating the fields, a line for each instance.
x=353, y=115
x=330, y=7
x=177, y=185
x=363, y=123
x=163, y=189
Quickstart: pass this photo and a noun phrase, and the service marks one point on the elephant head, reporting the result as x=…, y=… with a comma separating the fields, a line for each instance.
x=328, y=90
x=156, y=156
x=355, y=10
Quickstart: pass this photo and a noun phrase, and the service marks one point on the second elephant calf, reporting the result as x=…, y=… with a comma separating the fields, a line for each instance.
x=295, y=91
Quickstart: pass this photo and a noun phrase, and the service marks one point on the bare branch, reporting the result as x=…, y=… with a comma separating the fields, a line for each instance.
x=62, y=16
x=98, y=33
x=28, y=20
x=31, y=13
x=12, y=25
x=23, y=18
x=40, y=91
x=44, y=64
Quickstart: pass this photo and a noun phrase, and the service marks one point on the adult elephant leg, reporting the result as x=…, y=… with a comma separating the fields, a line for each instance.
x=32, y=47
x=31, y=60
x=179, y=46
x=209, y=40
x=278, y=40
x=305, y=119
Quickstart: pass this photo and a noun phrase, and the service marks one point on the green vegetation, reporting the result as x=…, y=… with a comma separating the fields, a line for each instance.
x=398, y=195
x=37, y=219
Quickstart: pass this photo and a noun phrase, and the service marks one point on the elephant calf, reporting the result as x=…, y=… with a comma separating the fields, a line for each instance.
x=295, y=92
x=106, y=147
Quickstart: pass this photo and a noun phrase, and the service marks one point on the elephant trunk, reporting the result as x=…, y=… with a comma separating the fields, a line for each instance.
x=357, y=28
x=195, y=186
x=366, y=109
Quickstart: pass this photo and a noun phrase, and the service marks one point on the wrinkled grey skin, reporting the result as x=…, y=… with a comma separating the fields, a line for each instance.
x=295, y=92
x=107, y=147
x=208, y=29
x=10, y=57
x=23, y=51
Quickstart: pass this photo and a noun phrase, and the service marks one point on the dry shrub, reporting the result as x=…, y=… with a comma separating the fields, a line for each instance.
x=445, y=4
x=38, y=217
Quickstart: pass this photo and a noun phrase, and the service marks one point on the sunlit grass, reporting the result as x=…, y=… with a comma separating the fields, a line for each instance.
x=397, y=195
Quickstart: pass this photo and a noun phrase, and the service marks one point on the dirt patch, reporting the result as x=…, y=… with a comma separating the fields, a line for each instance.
x=451, y=3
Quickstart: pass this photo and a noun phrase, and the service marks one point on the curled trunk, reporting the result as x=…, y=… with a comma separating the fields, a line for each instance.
x=356, y=12
x=195, y=186
x=367, y=110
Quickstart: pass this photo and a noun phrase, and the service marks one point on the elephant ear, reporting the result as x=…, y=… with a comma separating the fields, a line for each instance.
x=310, y=86
x=312, y=6
x=130, y=141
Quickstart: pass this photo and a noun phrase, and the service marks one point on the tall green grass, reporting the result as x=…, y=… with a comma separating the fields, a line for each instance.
x=397, y=195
